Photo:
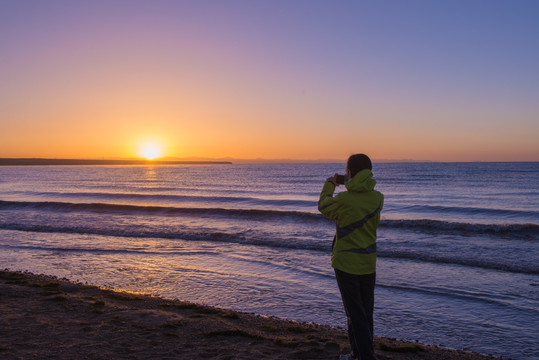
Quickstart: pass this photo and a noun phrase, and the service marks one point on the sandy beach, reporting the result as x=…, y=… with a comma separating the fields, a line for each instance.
x=45, y=317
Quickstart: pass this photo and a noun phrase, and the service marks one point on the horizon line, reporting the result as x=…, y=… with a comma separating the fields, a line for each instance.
x=201, y=160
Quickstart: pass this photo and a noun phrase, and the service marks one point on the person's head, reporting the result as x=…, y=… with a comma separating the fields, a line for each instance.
x=356, y=163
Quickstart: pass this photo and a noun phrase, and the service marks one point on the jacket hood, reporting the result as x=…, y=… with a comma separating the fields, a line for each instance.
x=361, y=182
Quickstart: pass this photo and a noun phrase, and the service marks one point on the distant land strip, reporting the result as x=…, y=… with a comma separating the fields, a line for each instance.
x=24, y=161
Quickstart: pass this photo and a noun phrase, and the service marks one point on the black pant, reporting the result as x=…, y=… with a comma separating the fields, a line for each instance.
x=357, y=292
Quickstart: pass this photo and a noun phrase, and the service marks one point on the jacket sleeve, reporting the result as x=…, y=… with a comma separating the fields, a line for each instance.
x=327, y=204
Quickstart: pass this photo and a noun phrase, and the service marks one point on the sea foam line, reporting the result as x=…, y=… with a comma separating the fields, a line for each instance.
x=175, y=198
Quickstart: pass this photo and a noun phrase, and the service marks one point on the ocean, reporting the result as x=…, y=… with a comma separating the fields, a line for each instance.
x=458, y=249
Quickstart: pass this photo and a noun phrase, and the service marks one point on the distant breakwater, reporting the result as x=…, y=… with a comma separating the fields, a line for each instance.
x=26, y=161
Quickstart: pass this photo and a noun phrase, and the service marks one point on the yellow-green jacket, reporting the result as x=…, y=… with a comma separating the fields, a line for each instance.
x=357, y=214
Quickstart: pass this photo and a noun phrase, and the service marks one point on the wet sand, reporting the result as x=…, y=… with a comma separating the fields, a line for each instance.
x=43, y=317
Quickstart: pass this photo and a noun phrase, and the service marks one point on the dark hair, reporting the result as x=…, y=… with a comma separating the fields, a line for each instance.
x=358, y=162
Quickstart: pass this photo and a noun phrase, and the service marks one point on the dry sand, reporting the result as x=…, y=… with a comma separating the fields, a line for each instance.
x=42, y=317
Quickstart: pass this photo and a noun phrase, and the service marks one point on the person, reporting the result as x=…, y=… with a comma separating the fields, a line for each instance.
x=357, y=214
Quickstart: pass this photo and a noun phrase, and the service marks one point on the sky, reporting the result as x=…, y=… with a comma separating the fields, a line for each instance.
x=282, y=79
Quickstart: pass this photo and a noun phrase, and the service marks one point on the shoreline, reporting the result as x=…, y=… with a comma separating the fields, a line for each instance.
x=43, y=316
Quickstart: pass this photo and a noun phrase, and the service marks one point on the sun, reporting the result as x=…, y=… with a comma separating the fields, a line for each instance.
x=150, y=150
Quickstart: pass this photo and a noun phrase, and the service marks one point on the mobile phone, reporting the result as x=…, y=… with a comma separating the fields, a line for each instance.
x=341, y=179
